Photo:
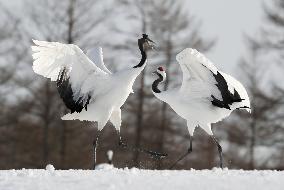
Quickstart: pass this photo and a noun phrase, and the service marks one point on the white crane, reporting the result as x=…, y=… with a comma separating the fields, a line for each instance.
x=205, y=96
x=88, y=89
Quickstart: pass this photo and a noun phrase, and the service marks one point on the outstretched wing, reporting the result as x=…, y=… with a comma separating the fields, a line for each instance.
x=202, y=79
x=195, y=67
x=198, y=80
x=96, y=55
x=76, y=75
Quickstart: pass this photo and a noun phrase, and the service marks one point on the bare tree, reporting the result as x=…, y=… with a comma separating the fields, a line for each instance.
x=69, y=21
x=11, y=57
x=270, y=46
x=262, y=128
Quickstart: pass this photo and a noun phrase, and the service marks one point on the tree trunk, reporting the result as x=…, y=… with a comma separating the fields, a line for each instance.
x=139, y=121
x=63, y=145
x=164, y=119
x=46, y=124
x=252, y=146
x=64, y=126
x=141, y=98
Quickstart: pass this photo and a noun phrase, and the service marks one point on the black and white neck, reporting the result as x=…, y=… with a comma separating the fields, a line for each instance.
x=158, y=81
x=143, y=53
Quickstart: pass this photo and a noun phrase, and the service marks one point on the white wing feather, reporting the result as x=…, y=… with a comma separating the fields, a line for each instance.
x=198, y=79
x=96, y=55
x=197, y=70
x=50, y=58
x=195, y=65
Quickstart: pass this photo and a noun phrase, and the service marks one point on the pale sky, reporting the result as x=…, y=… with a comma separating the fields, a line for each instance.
x=228, y=21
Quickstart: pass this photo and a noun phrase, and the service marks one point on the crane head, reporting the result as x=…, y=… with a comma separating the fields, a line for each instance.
x=145, y=43
x=161, y=72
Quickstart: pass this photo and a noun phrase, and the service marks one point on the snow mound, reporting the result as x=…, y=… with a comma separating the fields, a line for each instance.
x=123, y=179
x=50, y=167
x=104, y=167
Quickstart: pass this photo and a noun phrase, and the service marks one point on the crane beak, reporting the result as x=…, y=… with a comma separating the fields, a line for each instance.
x=151, y=44
x=150, y=40
x=155, y=72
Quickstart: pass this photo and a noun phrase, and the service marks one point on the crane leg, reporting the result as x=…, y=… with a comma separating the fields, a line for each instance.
x=153, y=154
x=189, y=150
x=219, y=151
x=95, y=144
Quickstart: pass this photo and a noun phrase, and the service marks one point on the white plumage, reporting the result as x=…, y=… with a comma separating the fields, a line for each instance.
x=206, y=95
x=96, y=55
x=108, y=91
x=89, y=90
x=192, y=100
x=88, y=77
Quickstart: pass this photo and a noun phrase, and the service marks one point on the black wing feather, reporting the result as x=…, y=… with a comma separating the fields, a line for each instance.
x=66, y=93
x=227, y=96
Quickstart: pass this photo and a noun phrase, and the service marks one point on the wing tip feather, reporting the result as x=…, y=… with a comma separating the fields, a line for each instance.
x=36, y=42
x=189, y=53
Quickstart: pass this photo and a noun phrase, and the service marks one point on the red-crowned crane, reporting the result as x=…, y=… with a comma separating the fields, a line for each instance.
x=205, y=96
x=88, y=89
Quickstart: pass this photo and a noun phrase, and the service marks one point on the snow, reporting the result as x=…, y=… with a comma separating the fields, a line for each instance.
x=104, y=166
x=113, y=178
x=50, y=168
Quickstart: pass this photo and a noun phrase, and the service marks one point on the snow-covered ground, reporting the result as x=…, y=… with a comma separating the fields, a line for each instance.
x=108, y=178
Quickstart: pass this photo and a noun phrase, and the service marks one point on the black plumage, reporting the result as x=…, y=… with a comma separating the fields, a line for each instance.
x=66, y=93
x=156, y=83
x=228, y=97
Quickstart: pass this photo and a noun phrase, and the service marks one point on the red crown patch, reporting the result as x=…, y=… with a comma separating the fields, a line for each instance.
x=161, y=69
